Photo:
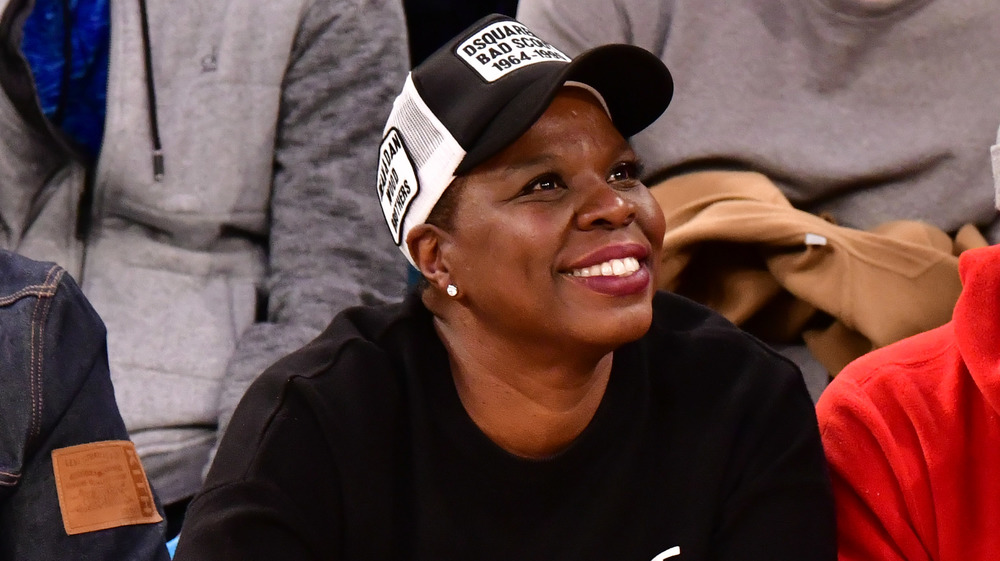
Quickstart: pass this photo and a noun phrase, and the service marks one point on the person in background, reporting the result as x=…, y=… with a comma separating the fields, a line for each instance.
x=535, y=397
x=912, y=433
x=71, y=484
x=432, y=23
x=200, y=169
x=860, y=111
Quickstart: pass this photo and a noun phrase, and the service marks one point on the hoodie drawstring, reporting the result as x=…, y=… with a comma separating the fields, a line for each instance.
x=154, y=125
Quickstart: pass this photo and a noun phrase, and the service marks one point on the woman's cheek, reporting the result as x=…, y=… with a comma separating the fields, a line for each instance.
x=652, y=220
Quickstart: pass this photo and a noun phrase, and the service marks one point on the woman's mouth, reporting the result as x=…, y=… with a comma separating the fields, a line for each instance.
x=619, y=276
x=612, y=268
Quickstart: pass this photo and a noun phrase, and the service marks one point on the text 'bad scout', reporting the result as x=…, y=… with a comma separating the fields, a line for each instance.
x=502, y=47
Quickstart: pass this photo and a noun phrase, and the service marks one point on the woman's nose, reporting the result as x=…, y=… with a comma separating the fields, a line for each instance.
x=605, y=207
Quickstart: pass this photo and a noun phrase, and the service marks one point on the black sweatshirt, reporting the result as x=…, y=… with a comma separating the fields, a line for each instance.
x=357, y=447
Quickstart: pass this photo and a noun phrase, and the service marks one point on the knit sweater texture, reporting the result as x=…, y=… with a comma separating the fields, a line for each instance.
x=862, y=110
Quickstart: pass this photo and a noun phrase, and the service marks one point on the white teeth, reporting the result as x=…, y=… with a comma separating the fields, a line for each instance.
x=615, y=267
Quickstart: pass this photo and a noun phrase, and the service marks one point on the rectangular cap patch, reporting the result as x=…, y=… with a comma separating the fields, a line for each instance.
x=397, y=182
x=102, y=485
x=504, y=46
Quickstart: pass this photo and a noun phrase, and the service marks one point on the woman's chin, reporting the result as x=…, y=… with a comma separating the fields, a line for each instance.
x=615, y=328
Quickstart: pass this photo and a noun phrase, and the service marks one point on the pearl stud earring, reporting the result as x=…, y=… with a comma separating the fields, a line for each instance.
x=452, y=290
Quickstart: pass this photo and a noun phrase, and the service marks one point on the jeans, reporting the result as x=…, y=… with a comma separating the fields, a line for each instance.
x=55, y=391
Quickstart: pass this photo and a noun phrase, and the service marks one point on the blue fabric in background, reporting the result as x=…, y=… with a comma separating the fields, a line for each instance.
x=80, y=110
x=172, y=546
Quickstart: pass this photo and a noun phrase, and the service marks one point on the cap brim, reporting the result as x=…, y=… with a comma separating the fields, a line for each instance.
x=635, y=85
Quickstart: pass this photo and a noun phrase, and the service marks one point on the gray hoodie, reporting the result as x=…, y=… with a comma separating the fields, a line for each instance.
x=263, y=225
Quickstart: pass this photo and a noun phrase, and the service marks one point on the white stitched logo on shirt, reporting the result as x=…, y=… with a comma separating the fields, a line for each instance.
x=672, y=552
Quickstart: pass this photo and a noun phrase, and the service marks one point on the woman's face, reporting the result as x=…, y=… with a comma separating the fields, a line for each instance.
x=554, y=239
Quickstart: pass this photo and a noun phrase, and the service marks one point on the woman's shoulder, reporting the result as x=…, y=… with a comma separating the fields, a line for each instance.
x=351, y=366
x=677, y=312
x=676, y=316
x=347, y=378
x=703, y=346
x=359, y=346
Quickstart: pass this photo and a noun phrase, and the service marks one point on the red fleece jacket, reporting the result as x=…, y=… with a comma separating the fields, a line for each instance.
x=912, y=435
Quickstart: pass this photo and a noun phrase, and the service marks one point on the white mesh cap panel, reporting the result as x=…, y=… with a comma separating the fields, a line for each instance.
x=417, y=162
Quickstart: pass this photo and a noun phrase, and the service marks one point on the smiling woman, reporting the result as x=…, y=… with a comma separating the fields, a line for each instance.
x=535, y=398
x=551, y=232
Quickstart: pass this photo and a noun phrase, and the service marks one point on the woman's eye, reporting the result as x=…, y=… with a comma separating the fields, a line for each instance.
x=625, y=171
x=541, y=184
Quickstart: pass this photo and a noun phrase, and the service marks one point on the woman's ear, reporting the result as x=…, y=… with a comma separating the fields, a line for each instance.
x=428, y=245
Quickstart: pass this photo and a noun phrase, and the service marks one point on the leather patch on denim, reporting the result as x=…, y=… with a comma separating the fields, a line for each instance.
x=102, y=485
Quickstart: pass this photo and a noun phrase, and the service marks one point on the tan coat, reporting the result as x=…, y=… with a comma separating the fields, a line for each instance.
x=736, y=244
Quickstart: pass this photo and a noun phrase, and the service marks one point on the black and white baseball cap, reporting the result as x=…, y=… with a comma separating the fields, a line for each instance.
x=481, y=92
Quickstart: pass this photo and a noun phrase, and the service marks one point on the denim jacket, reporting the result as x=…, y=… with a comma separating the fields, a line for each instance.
x=55, y=392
